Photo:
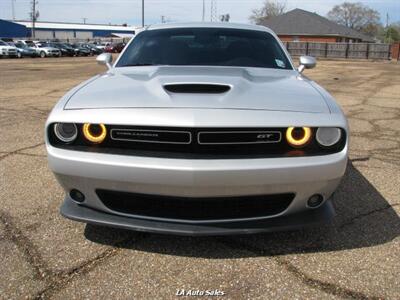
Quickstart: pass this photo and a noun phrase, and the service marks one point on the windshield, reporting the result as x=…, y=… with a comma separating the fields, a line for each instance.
x=2, y=43
x=205, y=47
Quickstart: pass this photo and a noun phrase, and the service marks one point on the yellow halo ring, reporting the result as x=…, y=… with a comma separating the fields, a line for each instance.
x=298, y=142
x=94, y=138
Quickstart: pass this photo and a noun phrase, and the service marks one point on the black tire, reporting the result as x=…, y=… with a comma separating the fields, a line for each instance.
x=42, y=54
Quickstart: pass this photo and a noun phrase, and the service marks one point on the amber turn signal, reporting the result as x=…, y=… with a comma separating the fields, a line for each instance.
x=298, y=136
x=95, y=133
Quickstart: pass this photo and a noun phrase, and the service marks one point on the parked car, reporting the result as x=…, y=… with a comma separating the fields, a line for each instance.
x=92, y=48
x=80, y=51
x=115, y=48
x=24, y=50
x=7, y=51
x=65, y=49
x=101, y=45
x=199, y=129
x=43, y=49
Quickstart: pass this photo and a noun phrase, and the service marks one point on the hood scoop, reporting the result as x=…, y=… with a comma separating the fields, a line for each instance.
x=196, y=88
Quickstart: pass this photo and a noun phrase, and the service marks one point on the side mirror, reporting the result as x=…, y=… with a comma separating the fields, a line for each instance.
x=105, y=59
x=307, y=62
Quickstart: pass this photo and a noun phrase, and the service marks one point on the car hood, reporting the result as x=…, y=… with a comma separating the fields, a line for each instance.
x=249, y=88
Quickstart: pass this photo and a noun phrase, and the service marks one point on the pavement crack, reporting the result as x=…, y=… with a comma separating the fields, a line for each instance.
x=326, y=287
x=363, y=215
x=360, y=159
x=20, y=149
x=62, y=279
x=13, y=234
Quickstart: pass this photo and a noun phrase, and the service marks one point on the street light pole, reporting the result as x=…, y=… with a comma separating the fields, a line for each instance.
x=142, y=13
x=204, y=10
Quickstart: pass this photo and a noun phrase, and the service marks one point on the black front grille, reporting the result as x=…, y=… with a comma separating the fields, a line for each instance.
x=195, y=209
x=195, y=143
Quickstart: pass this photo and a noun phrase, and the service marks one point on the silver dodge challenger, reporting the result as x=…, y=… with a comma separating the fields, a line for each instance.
x=199, y=129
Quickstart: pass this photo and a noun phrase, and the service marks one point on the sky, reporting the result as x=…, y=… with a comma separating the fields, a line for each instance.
x=129, y=11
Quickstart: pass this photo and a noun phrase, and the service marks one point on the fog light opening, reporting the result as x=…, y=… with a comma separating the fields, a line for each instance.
x=77, y=195
x=315, y=201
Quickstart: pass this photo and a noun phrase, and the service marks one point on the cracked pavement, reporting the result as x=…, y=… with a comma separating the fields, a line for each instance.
x=46, y=256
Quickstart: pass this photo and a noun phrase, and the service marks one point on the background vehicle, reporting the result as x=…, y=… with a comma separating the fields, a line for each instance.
x=66, y=50
x=92, y=48
x=7, y=51
x=79, y=50
x=24, y=50
x=115, y=48
x=43, y=49
x=101, y=45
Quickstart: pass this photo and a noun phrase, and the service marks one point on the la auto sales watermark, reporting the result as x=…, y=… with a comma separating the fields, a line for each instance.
x=199, y=293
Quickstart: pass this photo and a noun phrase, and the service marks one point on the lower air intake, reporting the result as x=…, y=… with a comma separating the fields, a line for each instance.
x=195, y=209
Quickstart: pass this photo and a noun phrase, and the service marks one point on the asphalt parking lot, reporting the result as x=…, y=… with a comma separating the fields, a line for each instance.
x=46, y=256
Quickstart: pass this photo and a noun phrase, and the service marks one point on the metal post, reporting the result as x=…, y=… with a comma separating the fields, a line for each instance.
x=326, y=49
x=13, y=9
x=204, y=10
x=142, y=13
x=33, y=17
x=347, y=50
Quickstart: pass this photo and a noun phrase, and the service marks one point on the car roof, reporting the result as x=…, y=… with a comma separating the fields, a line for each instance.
x=209, y=25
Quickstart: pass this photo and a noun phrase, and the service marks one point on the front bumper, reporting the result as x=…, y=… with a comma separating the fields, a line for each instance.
x=303, y=176
x=74, y=211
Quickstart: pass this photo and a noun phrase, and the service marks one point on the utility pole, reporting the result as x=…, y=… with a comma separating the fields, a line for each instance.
x=214, y=17
x=13, y=9
x=142, y=13
x=204, y=10
x=34, y=16
x=84, y=20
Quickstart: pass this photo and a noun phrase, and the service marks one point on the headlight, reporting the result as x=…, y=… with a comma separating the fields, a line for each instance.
x=298, y=136
x=65, y=132
x=95, y=133
x=328, y=136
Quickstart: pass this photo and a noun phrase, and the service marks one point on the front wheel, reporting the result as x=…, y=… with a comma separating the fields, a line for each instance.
x=42, y=54
x=19, y=55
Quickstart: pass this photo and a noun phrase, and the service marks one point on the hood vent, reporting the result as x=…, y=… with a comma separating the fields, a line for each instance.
x=197, y=88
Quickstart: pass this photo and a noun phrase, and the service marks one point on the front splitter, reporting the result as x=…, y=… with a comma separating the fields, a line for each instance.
x=76, y=212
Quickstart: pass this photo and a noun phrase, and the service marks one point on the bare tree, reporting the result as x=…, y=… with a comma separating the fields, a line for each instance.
x=357, y=16
x=270, y=9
